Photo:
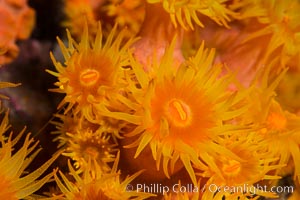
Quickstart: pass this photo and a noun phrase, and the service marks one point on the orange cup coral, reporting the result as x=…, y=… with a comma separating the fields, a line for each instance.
x=14, y=182
x=92, y=72
x=182, y=112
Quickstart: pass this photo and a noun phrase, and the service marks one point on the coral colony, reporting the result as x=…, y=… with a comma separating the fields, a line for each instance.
x=162, y=99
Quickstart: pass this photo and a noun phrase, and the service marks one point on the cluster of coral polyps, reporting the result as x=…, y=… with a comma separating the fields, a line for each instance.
x=195, y=99
x=17, y=20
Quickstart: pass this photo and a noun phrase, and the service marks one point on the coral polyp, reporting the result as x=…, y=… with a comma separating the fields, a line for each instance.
x=182, y=111
x=279, y=27
x=127, y=13
x=253, y=165
x=86, y=146
x=15, y=182
x=185, y=13
x=92, y=71
x=98, y=185
x=75, y=22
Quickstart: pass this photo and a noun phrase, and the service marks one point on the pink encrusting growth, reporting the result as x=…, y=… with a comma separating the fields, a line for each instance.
x=152, y=44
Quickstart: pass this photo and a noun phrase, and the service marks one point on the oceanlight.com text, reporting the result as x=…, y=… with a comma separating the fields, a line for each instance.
x=158, y=188
x=246, y=188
